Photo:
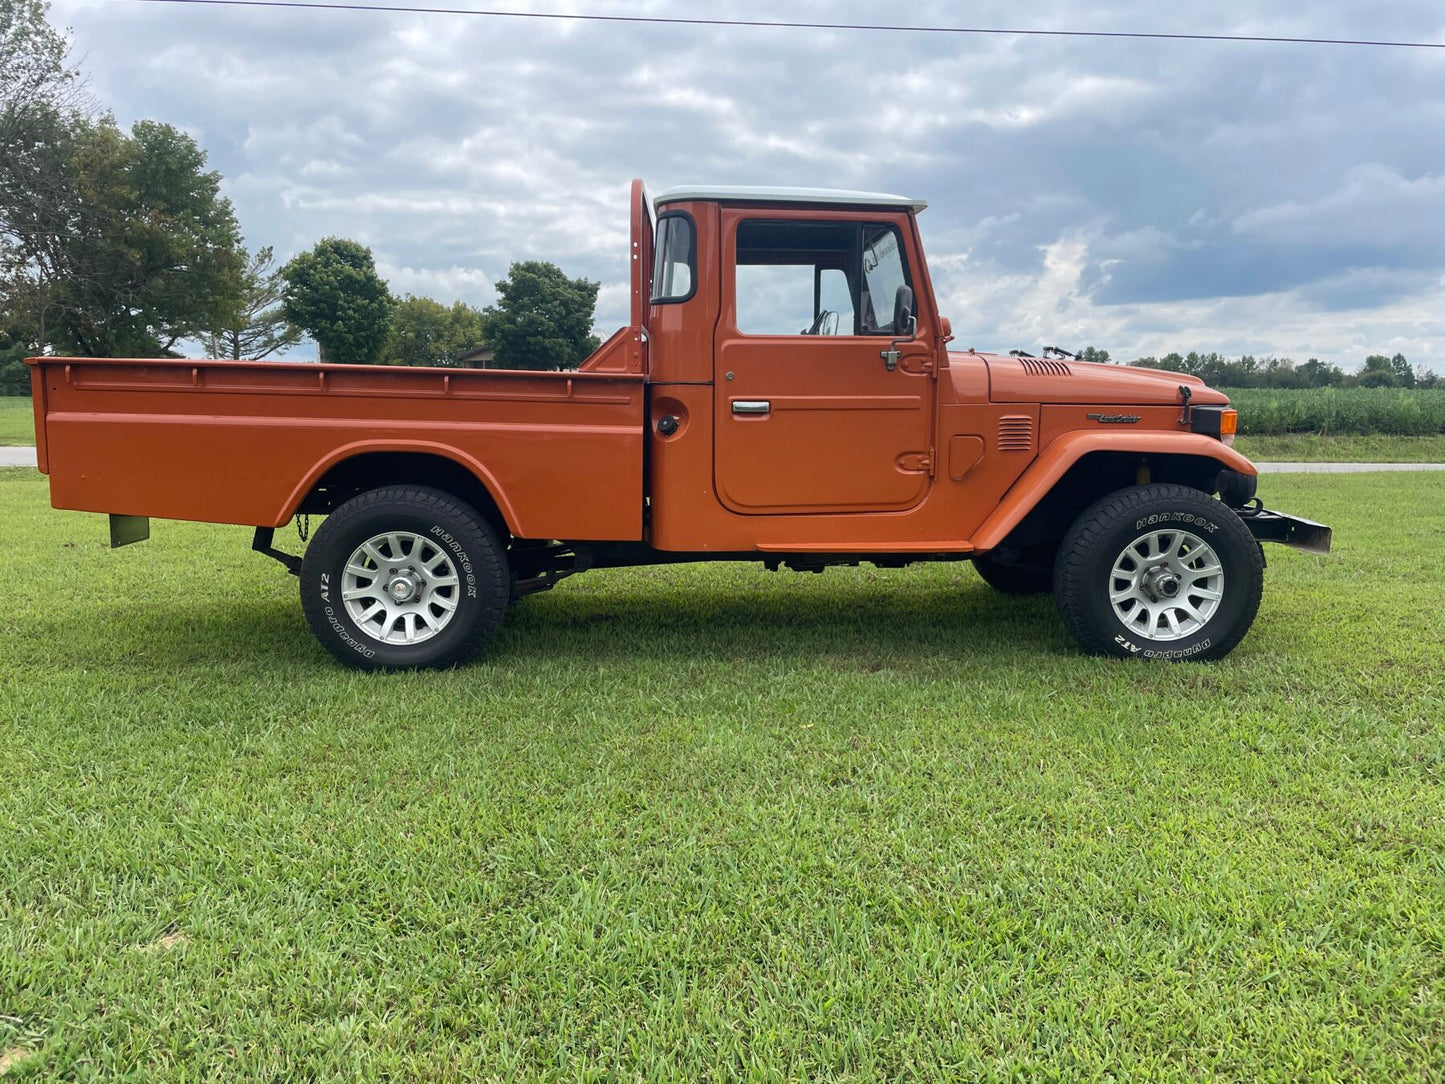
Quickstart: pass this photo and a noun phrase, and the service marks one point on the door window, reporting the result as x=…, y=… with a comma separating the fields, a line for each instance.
x=797, y=277
x=775, y=299
x=882, y=275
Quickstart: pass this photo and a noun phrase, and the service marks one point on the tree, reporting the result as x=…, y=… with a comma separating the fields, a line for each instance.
x=542, y=319
x=122, y=245
x=42, y=98
x=257, y=327
x=15, y=347
x=334, y=293
x=1090, y=353
x=35, y=75
x=1378, y=372
x=425, y=332
x=161, y=260
x=1320, y=374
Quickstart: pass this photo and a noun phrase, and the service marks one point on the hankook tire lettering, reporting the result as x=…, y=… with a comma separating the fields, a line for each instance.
x=466, y=562
x=1175, y=517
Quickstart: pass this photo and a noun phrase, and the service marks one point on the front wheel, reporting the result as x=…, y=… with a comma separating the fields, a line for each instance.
x=404, y=577
x=1159, y=572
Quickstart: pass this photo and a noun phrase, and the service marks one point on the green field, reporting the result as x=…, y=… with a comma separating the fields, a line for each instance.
x=712, y=823
x=1333, y=411
x=1347, y=448
x=17, y=421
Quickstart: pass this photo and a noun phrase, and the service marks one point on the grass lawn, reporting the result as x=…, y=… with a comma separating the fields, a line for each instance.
x=17, y=421
x=708, y=823
x=1345, y=448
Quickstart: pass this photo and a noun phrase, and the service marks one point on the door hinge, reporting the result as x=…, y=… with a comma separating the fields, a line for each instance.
x=919, y=461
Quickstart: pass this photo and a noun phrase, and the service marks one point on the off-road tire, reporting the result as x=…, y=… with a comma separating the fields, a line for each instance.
x=451, y=526
x=1084, y=570
x=1026, y=577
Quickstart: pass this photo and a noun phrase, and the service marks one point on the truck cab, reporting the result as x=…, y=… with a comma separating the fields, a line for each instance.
x=786, y=391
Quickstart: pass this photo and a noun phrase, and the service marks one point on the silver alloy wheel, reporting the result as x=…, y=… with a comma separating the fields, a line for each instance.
x=1166, y=585
x=400, y=588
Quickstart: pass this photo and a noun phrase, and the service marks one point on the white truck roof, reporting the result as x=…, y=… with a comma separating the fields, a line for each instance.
x=744, y=193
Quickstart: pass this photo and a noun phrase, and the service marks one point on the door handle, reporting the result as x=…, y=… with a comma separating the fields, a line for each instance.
x=751, y=406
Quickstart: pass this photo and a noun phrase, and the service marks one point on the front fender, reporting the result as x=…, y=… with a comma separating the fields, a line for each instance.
x=1056, y=459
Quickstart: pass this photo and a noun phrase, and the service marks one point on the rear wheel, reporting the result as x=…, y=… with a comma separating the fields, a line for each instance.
x=1159, y=571
x=404, y=577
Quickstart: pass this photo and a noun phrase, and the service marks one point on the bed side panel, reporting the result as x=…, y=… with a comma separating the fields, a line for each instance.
x=234, y=442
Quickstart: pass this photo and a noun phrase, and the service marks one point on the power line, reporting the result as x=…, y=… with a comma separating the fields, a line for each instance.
x=662, y=20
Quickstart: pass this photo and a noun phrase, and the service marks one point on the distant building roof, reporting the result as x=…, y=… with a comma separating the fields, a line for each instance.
x=742, y=193
x=478, y=357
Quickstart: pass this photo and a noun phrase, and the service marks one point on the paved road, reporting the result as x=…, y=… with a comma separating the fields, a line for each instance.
x=25, y=457
x=1341, y=468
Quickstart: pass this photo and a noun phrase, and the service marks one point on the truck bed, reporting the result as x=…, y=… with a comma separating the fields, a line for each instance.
x=245, y=442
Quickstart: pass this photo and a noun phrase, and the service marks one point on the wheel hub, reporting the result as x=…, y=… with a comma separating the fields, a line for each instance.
x=404, y=587
x=1166, y=585
x=1161, y=582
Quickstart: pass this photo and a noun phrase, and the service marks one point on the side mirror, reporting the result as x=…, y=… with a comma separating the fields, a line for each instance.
x=946, y=326
x=903, y=311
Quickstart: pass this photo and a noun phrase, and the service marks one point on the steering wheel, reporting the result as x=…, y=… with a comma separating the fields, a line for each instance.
x=825, y=324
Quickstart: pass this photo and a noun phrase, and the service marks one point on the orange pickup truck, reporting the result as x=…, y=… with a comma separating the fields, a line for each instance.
x=784, y=393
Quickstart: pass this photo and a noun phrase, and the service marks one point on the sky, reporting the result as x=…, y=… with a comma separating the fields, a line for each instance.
x=1138, y=196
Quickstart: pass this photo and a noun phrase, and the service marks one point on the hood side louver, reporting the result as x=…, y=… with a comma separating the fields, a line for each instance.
x=1044, y=367
x=1016, y=433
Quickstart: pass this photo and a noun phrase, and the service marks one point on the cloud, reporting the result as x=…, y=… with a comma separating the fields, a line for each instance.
x=1374, y=208
x=1141, y=196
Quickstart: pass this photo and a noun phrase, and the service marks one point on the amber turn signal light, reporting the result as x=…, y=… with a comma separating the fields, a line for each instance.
x=1218, y=422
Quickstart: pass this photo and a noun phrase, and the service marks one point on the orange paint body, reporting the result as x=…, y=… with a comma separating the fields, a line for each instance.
x=659, y=438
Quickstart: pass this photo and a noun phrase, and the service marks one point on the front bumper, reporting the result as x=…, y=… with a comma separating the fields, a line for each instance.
x=1300, y=534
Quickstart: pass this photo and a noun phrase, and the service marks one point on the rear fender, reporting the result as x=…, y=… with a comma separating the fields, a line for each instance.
x=425, y=447
x=1055, y=460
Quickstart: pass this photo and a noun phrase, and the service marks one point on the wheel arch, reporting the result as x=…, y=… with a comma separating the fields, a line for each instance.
x=357, y=468
x=1079, y=468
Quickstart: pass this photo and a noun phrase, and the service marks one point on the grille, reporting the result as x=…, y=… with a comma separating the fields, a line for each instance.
x=1015, y=433
x=1044, y=367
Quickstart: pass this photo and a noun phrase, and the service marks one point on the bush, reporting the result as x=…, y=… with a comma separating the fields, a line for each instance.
x=1396, y=411
x=14, y=374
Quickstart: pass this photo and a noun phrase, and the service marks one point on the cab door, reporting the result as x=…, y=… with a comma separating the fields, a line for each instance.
x=818, y=407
